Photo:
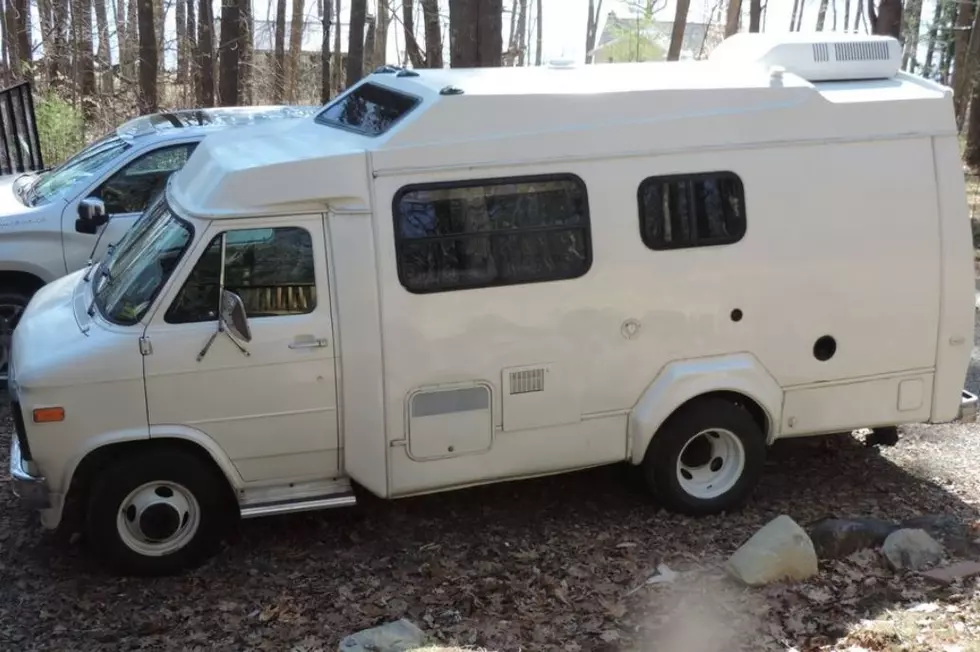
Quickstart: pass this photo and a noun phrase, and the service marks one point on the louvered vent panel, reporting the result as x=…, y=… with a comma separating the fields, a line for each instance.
x=527, y=380
x=867, y=51
x=821, y=52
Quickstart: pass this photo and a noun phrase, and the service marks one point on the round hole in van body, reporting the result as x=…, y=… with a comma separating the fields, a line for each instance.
x=736, y=315
x=824, y=348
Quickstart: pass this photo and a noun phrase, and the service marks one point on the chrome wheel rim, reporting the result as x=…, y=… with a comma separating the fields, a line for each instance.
x=158, y=518
x=710, y=463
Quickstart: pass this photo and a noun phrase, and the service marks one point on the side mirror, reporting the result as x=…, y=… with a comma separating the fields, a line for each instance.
x=233, y=316
x=91, y=215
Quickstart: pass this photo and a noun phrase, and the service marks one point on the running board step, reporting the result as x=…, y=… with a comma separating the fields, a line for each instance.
x=331, y=501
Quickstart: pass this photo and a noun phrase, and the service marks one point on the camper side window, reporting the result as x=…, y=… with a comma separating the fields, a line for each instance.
x=473, y=234
x=692, y=210
x=272, y=270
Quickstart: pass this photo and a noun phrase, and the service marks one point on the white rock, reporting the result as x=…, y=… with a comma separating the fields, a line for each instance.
x=911, y=549
x=398, y=636
x=781, y=550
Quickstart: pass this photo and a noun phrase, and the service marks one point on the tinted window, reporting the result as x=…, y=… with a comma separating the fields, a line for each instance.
x=492, y=232
x=272, y=271
x=131, y=189
x=369, y=109
x=693, y=210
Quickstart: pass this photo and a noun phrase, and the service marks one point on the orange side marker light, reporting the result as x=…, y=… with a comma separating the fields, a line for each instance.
x=49, y=415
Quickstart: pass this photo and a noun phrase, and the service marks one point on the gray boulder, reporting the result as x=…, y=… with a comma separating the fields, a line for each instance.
x=836, y=538
x=947, y=530
x=909, y=549
x=781, y=550
x=398, y=636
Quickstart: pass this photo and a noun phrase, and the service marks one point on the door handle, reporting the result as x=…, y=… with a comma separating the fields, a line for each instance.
x=309, y=343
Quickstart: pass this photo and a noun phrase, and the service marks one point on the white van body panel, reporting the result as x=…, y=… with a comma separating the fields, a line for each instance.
x=844, y=304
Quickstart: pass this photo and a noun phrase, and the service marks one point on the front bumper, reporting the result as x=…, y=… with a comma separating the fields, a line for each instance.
x=31, y=489
x=968, y=407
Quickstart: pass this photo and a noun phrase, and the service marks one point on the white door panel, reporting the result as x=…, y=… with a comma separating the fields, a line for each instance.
x=274, y=411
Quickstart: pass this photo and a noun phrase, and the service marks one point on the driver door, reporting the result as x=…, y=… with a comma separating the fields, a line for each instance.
x=126, y=193
x=273, y=411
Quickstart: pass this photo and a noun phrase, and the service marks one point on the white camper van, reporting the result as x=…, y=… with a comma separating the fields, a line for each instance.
x=455, y=277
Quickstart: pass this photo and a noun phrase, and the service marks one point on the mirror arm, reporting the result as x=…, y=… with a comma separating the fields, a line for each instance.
x=221, y=321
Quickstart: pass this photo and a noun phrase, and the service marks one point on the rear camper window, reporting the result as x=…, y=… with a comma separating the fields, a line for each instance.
x=694, y=210
x=486, y=233
x=369, y=110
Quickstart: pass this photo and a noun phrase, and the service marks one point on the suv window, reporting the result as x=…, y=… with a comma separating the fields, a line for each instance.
x=130, y=189
x=471, y=234
x=272, y=270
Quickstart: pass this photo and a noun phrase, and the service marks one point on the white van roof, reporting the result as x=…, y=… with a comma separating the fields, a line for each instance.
x=755, y=90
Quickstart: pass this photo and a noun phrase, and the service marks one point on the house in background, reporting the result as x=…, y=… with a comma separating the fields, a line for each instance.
x=636, y=38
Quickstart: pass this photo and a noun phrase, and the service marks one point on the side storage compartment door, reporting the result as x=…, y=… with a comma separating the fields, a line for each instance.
x=274, y=410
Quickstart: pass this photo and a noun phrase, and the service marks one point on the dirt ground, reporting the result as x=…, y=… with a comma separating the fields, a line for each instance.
x=552, y=564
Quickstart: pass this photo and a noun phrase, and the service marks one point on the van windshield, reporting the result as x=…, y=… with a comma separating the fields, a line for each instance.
x=129, y=280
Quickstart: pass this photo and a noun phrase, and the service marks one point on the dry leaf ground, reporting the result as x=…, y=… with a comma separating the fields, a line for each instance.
x=558, y=563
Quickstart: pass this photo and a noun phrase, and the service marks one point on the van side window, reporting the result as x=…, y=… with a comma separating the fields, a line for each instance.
x=484, y=233
x=272, y=271
x=692, y=210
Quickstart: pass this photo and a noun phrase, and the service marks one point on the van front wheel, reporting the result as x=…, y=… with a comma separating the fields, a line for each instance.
x=156, y=513
x=706, y=458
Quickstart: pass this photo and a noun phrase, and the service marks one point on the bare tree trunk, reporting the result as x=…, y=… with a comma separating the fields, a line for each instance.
x=148, y=58
x=887, y=20
x=521, y=31
x=677, y=33
x=858, y=14
x=433, y=33
x=792, y=18
x=245, y=51
x=755, y=15
x=47, y=33
x=279, y=56
x=295, y=48
x=325, y=82
x=538, y=44
x=205, y=53
x=337, y=67
x=193, y=54
x=933, y=34
x=910, y=58
x=833, y=11
x=412, y=49
x=355, y=44
x=132, y=40
x=382, y=20
x=799, y=16
x=731, y=19
x=591, y=29
x=969, y=74
x=22, y=30
x=228, y=53
x=83, y=56
x=369, y=36
x=476, y=38
x=159, y=24
x=181, y=19
x=961, y=47
x=821, y=15
x=847, y=13
x=105, y=56
x=512, y=39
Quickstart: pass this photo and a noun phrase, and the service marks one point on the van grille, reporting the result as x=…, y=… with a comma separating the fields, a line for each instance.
x=20, y=430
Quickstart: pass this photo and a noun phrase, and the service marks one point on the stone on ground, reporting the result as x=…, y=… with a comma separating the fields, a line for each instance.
x=781, y=550
x=949, y=574
x=837, y=538
x=911, y=549
x=397, y=636
x=948, y=530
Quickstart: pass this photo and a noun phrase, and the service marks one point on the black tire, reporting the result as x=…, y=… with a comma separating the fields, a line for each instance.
x=666, y=447
x=215, y=510
x=12, y=300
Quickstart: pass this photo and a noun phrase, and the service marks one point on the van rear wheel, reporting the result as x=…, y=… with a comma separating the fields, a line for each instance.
x=707, y=458
x=156, y=513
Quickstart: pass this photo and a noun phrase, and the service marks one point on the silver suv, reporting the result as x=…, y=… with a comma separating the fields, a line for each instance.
x=39, y=237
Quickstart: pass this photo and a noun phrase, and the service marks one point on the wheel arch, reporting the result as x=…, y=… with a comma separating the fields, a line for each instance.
x=739, y=378
x=98, y=458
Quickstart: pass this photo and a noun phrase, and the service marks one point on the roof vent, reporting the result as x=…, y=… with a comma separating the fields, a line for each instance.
x=818, y=56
